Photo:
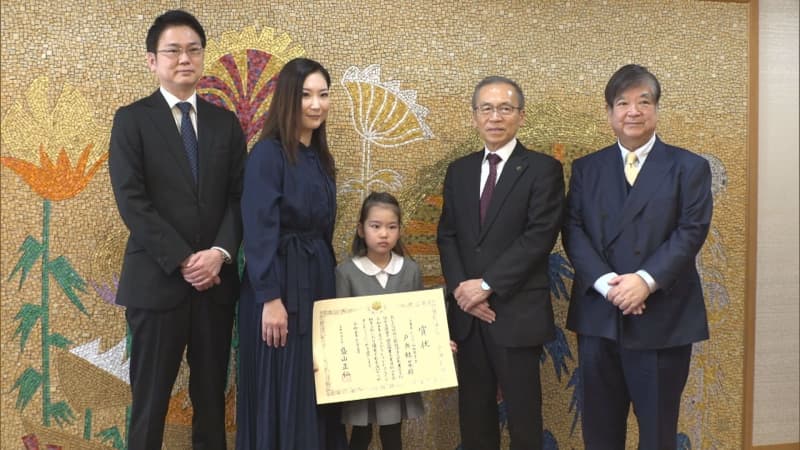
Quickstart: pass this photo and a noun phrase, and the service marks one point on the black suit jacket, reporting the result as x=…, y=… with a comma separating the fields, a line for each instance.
x=511, y=250
x=659, y=226
x=169, y=215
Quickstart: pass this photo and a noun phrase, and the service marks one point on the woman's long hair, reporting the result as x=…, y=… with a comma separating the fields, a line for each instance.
x=283, y=118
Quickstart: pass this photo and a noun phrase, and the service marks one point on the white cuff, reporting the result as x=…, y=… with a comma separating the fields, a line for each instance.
x=651, y=283
x=602, y=286
x=226, y=256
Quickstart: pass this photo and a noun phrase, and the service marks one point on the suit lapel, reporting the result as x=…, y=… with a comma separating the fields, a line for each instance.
x=514, y=168
x=470, y=185
x=651, y=176
x=164, y=122
x=614, y=199
x=205, y=134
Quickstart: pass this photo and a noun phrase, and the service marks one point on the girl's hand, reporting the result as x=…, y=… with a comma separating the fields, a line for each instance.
x=453, y=346
x=274, y=323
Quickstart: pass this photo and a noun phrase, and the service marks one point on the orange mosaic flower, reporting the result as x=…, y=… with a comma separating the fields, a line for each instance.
x=59, y=181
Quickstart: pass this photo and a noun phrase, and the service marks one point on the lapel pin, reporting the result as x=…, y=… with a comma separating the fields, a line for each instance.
x=519, y=168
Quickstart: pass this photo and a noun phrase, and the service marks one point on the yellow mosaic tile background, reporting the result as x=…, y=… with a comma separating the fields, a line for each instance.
x=67, y=66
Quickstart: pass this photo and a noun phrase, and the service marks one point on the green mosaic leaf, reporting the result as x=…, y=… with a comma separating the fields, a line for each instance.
x=87, y=424
x=28, y=315
x=113, y=436
x=59, y=341
x=61, y=413
x=31, y=250
x=69, y=281
x=27, y=383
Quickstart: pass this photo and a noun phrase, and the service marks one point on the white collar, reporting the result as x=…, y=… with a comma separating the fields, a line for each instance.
x=641, y=152
x=503, y=152
x=172, y=100
x=365, y=265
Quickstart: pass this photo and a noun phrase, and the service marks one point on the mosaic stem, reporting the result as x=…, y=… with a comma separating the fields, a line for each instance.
x=87, y=424
x=364, y=166
x=46, y=314
x=127, y=426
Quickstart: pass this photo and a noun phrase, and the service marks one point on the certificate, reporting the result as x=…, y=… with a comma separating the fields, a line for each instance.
x=380, y=345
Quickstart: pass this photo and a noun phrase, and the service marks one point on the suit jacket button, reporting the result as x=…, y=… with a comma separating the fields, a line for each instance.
x=636, y=252
x=477, y=250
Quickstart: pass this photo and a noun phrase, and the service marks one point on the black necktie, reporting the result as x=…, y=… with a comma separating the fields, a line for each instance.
x=488, y=188
x=189, y=137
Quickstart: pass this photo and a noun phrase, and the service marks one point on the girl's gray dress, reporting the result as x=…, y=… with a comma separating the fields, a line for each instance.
x=359, y=276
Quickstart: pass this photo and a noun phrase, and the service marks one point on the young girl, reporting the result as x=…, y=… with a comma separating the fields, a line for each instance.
x=378, y=266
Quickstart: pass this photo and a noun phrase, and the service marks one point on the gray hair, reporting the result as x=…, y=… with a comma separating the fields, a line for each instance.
x=496, y=79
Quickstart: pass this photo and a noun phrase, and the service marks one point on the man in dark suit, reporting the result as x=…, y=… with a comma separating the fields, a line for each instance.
x=176, y=166
x=502, y=212
x=638, y=213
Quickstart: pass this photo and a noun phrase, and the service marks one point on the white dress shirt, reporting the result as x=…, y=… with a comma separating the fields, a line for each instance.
x=173, y=101
x=504, y=153
x=641, y=152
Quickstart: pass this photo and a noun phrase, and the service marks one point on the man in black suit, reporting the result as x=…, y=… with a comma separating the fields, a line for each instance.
x=176, y=166
x=638, y=214
x=502, y=212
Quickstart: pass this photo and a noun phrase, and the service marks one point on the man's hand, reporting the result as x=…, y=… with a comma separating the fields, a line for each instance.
x=628, y=293
x=474, y=300
x=201, y=269
x=483, y=311
x=274, y=323
x=469, y=293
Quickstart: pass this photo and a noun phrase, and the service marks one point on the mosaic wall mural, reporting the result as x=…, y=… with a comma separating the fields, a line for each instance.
x=402, y=79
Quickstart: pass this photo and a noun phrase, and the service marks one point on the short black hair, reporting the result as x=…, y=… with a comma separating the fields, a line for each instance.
x=628, y=76
x=496, y=79
x=173, y=18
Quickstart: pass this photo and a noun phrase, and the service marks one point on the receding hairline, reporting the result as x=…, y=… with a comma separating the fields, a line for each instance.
x=498, y=80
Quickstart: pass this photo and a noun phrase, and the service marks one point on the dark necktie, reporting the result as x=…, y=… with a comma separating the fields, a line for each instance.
x=488, y=188
x=189, y=137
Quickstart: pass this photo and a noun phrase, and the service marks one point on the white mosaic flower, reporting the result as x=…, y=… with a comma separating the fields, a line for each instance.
x=383, y=115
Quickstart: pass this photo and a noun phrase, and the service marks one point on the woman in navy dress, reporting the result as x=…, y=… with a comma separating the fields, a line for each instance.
x=288, y=211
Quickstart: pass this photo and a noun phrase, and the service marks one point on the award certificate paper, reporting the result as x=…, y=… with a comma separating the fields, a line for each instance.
x=380, y=345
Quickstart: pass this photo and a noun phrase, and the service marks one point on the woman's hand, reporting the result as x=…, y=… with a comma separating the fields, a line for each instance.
x=274, y=323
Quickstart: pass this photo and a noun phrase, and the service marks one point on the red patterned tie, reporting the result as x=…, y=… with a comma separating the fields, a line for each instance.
x=488, y=188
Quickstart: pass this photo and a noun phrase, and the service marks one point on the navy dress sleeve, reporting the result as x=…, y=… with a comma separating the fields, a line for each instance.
x=261, y=218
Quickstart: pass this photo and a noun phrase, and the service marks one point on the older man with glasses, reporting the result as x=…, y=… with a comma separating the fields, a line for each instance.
x=502, y=212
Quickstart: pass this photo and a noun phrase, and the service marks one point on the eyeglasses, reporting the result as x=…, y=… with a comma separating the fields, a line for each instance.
x=503, y=110
x=175, y=52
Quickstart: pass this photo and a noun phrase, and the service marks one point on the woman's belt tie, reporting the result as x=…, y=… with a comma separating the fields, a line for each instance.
x=298, y=248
